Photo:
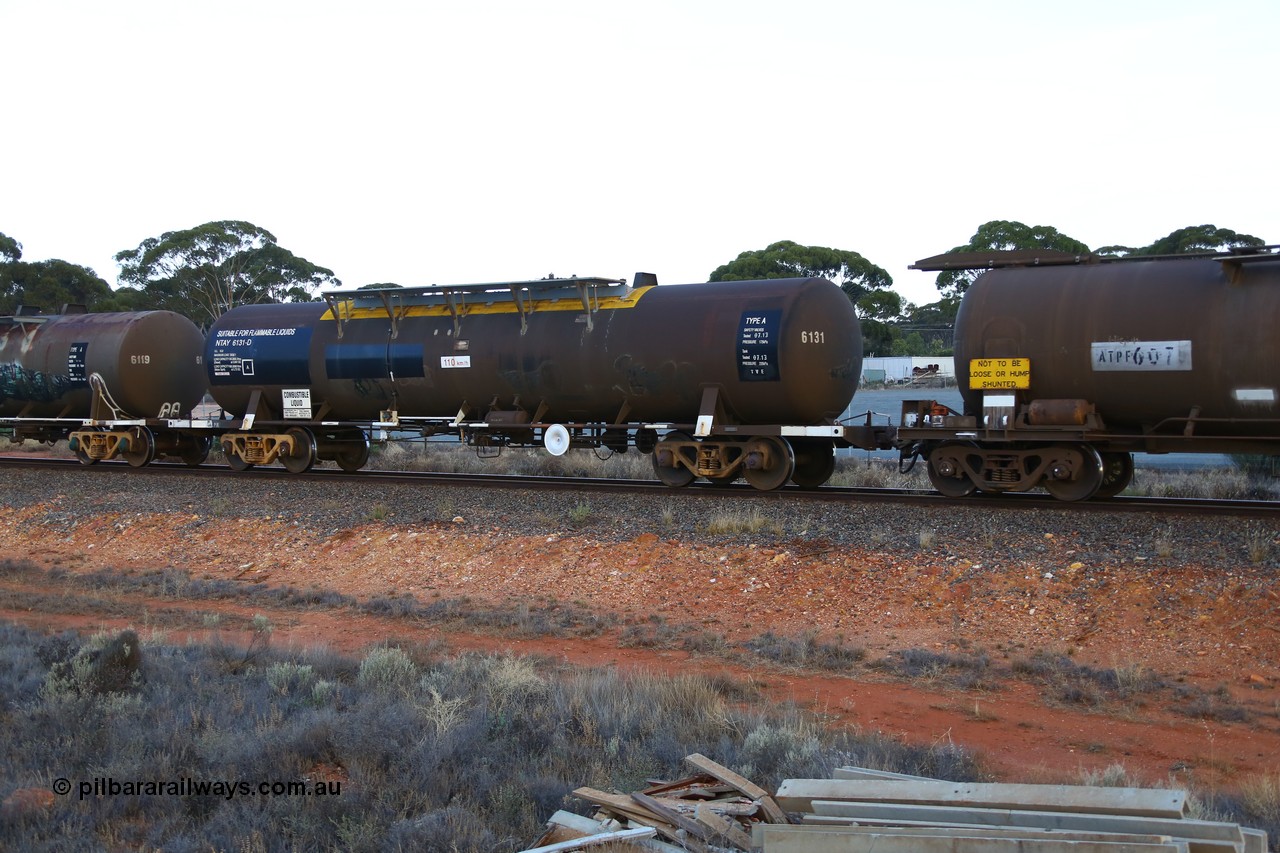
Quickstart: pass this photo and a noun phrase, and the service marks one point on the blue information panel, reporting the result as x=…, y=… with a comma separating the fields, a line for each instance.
x=278, y=356
x=758, y=345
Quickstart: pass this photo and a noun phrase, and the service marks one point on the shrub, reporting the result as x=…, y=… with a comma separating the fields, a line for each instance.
x=466, y=753
x=387, y=669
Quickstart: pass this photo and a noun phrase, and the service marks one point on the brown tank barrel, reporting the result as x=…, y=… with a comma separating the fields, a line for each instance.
x=1143, y=341
x=779, y=351
x=150, y=363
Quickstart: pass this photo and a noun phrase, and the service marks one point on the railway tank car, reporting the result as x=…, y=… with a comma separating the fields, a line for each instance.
x=97, y=379
x=1067, y=365
x=718, y=380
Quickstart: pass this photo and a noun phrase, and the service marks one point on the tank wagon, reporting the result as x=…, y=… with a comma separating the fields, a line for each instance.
x=114, y=384
x=1068, y=365
x=718, y=380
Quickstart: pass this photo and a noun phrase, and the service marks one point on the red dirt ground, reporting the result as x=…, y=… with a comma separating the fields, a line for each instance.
x=1199, y=625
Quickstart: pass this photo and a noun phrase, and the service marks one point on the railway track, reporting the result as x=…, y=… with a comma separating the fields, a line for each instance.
x=1028, y=501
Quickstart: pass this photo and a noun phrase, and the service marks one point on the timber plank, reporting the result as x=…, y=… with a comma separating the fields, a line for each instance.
x=585, y=826
x=772, y=838
x=722, y=827
x=627, y=808
x=1000, y=832
x=592, y=840
x=797, y=795
x=868, y=773
x=773, y=812
x=671, y=816
x=1203, y=836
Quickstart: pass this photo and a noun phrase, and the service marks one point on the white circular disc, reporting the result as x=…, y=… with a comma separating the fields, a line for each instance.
x=556, y=439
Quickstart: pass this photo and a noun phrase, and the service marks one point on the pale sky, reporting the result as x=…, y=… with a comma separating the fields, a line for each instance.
x=446, y=142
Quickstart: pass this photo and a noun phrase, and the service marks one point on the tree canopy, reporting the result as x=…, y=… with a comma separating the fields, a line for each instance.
x=47, y=285
x=204, y=271
x=866, y=284
x=10, y=249
x=1193, y=238
x=1003, y=235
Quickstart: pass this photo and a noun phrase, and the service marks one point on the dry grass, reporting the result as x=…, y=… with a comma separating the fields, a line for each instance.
x=460, y=752
x=852, y=470
x=729, y=522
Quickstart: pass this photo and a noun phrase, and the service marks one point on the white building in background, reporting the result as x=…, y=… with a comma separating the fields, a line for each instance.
x=900, y=370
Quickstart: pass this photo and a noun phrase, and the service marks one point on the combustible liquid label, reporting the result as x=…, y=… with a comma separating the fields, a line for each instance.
x=996, y=373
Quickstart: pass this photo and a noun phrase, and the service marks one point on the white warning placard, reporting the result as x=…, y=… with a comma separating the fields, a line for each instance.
x=297, y=403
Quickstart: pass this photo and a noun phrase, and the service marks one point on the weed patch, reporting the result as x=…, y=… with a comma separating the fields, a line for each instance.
x=423, y=751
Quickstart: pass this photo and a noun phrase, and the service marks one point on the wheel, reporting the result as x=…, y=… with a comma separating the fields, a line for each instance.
x=234, y=461
x=1117, y=473
x=141, y=449
x=355, y=452
x=665, y=466
x=948, y=477
x=194, y=450
x=815, y=463
x=304, y=451
x=774, y=462
x=1086, y=475
x=83, y=455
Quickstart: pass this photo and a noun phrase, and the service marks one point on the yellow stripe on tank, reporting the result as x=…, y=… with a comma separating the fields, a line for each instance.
x=506, y=306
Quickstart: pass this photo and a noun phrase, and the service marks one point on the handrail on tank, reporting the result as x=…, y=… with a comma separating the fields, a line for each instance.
x=996, y=258
x=523, y=294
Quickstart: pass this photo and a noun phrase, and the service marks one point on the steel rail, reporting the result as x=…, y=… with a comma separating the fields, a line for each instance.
x=738, y=491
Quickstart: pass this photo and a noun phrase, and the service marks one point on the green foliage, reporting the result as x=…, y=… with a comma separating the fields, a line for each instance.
x=387, y=669
x=924, y=330
x=865, y=283
x=1004, y=235
x=49, y=285
x=10, y=249
x=203, y=272
x=915, y=343
x=1193, y=238
x=940, y=314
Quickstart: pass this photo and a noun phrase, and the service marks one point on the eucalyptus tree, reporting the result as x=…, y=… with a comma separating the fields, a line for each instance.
x=205, y=271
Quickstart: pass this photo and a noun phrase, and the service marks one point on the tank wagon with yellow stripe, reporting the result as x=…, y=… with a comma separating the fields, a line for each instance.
x=719, y=380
